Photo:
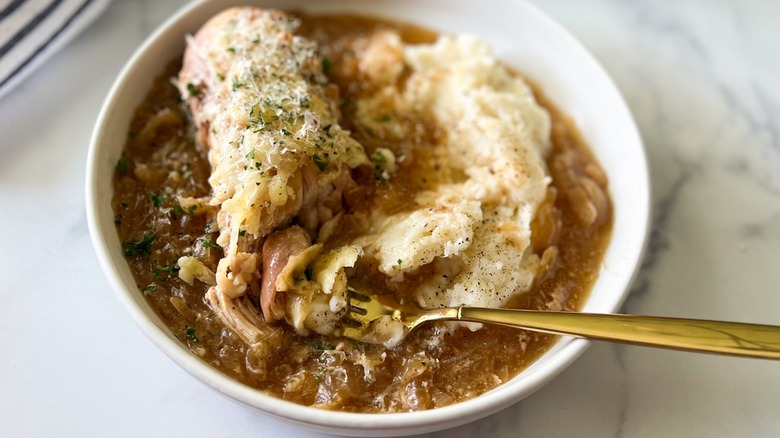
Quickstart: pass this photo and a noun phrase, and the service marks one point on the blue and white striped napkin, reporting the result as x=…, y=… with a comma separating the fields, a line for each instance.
x=33, y=30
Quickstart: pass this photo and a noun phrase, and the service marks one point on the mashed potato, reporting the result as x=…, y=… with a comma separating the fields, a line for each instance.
x=475, y=229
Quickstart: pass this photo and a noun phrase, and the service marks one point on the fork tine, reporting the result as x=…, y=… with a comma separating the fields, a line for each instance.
x=357, y=296
x=356, y=309
x=351, y=322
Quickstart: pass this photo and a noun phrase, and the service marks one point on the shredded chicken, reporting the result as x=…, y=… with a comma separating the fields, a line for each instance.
x=268, y=120
x=277, y=250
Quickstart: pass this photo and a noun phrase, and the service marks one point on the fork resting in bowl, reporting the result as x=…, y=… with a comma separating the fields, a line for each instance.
x=719, y=337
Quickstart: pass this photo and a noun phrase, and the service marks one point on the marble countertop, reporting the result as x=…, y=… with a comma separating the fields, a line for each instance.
x=702, y=81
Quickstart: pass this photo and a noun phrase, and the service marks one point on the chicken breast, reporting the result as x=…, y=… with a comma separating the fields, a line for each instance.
x=269, y=122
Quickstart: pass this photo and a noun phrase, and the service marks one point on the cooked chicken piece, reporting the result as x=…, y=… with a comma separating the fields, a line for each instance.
x=268, y=120
x=277, y=250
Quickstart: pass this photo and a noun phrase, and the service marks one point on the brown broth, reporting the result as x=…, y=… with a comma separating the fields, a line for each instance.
x=161, y=162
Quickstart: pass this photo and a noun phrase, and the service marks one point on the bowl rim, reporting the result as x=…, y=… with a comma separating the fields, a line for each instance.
x=567, y=350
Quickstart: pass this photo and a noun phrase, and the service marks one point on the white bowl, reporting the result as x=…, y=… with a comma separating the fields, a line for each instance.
x=521, y=36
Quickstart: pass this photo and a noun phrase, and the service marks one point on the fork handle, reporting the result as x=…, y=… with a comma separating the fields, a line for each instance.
x=730, y=338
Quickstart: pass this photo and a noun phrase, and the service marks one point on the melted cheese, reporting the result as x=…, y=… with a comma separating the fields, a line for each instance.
x=258, y=92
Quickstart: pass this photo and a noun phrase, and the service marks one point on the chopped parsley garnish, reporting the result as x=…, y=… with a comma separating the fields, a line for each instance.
x=319, y=162
x=163, y=272
x=207, y=243
x=326, y=128
x=323, y=347
x=139, y=247
x=157, y=200
x=286, y=132
x=242, y=233
x=192, y=334
x=326, y=65
x=176, y=212
x=121, y=165
x=237, y=84
x=149, y=289
x=193, y=89
x=400, y=262
x=379, y=157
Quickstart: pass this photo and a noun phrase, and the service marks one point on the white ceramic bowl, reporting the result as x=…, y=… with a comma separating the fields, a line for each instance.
x=521, y=36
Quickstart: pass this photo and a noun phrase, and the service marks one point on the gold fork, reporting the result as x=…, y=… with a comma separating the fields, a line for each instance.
x=719, y=337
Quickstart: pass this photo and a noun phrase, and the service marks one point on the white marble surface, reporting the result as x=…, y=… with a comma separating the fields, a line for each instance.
x=702, y=81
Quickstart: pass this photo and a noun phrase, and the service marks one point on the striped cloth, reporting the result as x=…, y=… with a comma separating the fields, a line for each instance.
x=33, y=30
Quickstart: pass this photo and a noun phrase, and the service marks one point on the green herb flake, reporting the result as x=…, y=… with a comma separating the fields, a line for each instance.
x=237, y=84
x=139, y=247
x=122, y=164
x=326, y=65
x=207, y=243
x=193, y=89
x=379, y=158
x=158, y=200
x=320, y=162
x=151, y=288
x=242, y=233
x=324, y=347
x=161, y=272
x=192, y=334
x=176, y=211
x=400, y=262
